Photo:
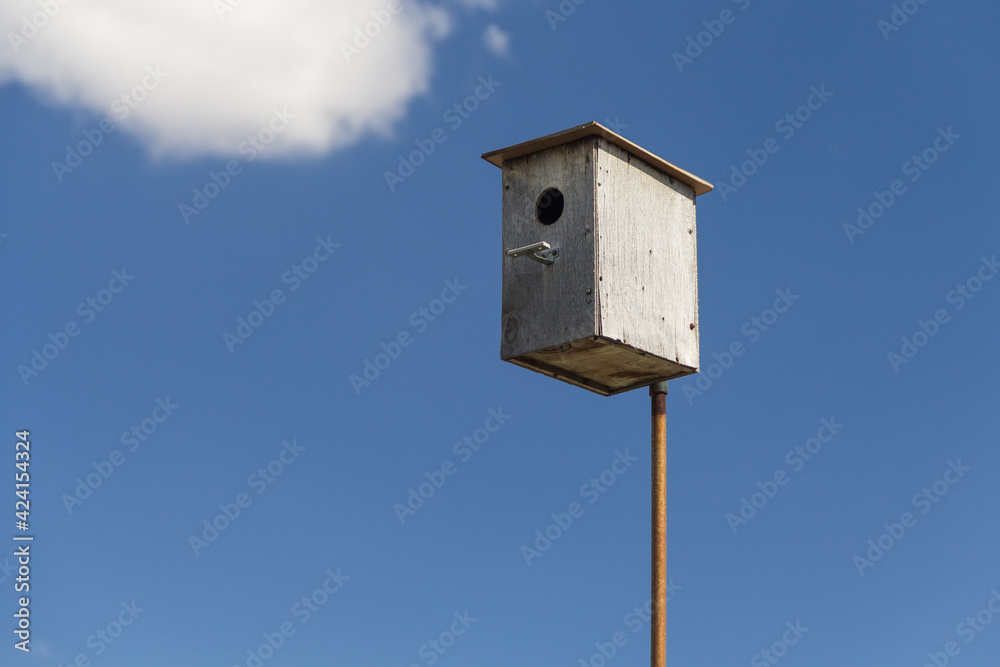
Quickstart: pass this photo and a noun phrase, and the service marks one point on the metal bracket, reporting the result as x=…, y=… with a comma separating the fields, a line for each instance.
x=540, y=252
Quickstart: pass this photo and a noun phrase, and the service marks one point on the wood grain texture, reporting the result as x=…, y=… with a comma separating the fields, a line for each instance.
x=618, y=309
x=647, y=258
x=593, y=128
x=543, y=305
x=603, y=366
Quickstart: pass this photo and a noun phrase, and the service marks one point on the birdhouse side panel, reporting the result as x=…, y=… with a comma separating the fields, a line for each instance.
x=647, y=258
x=545, y=306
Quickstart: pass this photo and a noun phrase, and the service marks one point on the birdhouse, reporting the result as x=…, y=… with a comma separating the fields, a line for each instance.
x=600, y=267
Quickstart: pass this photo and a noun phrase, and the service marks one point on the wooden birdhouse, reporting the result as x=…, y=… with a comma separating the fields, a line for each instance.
x=600, y=267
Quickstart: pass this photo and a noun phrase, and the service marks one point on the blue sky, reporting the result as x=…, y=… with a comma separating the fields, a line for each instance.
x=273, y=427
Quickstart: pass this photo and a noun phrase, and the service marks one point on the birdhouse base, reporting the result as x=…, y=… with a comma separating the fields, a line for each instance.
x=602, y=365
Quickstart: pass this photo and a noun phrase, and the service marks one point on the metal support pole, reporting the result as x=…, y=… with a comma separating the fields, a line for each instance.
x=658, y=629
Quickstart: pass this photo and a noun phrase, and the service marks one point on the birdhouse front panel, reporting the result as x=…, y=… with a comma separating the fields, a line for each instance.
x=548, y=197
x=600, y=276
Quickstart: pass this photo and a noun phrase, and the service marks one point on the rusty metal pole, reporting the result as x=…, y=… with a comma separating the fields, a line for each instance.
x=658, y=628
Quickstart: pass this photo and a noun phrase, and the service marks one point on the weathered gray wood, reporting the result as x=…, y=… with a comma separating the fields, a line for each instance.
x=647, y=257
x=618, y=308
x=498, y=157
x=549, y=305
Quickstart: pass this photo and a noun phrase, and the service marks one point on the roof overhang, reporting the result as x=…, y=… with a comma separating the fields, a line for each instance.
x=498, y=157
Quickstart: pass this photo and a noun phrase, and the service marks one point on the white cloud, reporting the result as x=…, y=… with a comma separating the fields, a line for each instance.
x=227, y=65
x=496, y=40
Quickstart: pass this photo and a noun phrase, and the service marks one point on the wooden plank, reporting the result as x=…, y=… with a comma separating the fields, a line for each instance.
x=602, y=366
x=647, y=258
x=498, y=157
x=549, y=305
